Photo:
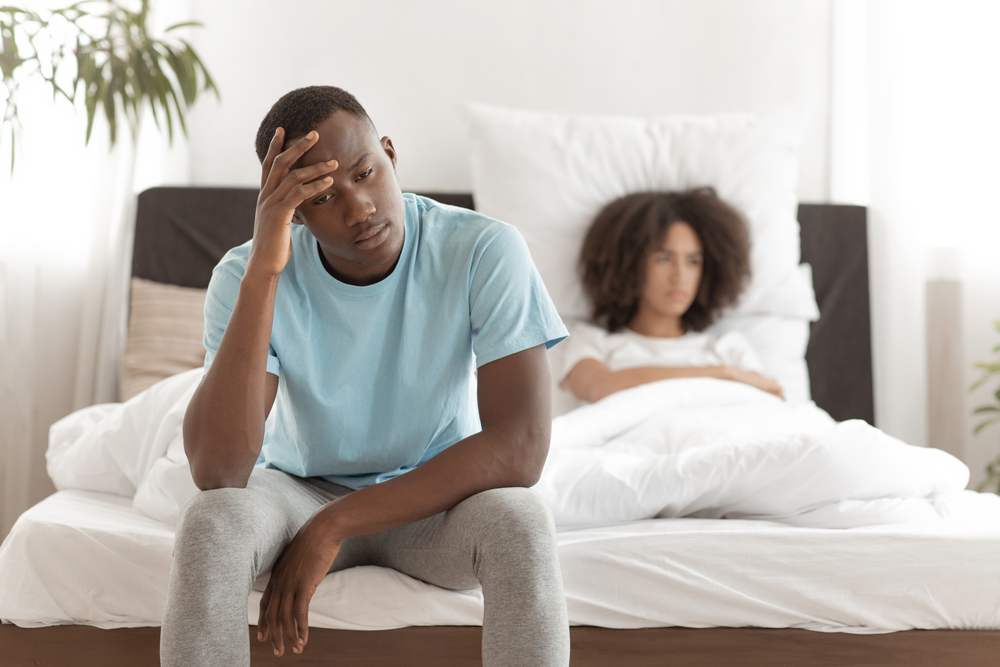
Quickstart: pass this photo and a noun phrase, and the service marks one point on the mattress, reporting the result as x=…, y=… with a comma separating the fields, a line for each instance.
x=89, y=558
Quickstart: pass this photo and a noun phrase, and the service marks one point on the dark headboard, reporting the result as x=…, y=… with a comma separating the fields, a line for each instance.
x=182, y=233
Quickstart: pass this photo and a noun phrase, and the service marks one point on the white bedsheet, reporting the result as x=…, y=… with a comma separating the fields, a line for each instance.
x=87, y=558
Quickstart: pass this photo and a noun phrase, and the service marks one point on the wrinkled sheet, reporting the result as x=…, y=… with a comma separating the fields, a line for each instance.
x=716, y=449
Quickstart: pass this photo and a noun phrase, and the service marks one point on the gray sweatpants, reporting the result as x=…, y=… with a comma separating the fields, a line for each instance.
x=502, y=539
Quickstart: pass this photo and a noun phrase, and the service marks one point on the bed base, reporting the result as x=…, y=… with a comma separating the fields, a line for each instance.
x=83, y=646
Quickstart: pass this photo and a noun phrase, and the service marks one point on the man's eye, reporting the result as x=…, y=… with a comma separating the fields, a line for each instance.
x=365, y=174
x=322, y=199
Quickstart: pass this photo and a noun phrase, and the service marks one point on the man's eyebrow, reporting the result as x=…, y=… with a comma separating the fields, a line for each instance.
x=360, y=160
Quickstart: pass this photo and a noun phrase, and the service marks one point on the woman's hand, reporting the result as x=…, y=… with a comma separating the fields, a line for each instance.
x=282, y=190
x=284, y=608
x=753, y=379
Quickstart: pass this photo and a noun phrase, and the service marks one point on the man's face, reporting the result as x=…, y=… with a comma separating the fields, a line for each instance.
x=358, y=220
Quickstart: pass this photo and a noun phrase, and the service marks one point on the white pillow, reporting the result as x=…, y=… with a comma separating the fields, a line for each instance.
x=549, y=174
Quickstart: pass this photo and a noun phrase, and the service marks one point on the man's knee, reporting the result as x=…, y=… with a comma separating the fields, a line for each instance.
x=219, y=516
x=515, y=518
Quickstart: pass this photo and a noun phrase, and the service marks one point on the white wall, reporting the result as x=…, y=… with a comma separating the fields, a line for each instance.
x=413, y=63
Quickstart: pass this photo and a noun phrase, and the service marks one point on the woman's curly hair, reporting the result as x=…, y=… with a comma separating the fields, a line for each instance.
x=629, y=229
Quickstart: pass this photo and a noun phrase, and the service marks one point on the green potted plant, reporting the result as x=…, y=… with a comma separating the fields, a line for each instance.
x=991, y=411
x=99, y=51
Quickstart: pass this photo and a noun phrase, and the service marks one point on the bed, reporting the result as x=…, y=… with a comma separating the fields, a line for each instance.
x=826, y=597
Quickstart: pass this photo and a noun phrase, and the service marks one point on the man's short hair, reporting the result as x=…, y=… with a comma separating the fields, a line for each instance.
x=302, y=111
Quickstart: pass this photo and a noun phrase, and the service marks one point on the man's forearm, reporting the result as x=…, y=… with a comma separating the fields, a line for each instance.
x=224, y=423
x=480, y=462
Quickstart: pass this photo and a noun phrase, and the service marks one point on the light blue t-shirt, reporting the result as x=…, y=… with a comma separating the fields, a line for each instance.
x=374, y=380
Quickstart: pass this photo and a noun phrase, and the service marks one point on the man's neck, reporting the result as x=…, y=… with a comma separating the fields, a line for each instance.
x=359, y=278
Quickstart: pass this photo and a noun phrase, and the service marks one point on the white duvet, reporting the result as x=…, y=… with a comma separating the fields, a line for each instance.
x=716, y=449
x=696, y=447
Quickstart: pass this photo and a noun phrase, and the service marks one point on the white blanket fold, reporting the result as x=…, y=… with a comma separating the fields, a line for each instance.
x=695, y=447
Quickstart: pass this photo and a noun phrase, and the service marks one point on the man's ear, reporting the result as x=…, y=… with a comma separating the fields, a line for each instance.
x=297, y=217
x=389, y=150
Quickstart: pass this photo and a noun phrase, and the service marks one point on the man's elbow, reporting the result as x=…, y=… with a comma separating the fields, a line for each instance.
x=533, y=449
x=209, y=472
x=210, y=475
x=210, y=481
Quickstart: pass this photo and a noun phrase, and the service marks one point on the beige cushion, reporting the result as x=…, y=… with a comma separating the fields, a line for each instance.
x=165, y=329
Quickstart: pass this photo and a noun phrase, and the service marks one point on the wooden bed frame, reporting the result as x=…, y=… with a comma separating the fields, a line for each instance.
x=442, y=646
x=181, y=233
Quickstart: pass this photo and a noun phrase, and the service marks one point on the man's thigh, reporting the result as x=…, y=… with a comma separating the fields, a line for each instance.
x=254, y=522
x=452, y=549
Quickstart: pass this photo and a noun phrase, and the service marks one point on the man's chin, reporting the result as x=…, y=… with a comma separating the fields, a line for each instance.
x=384, y=255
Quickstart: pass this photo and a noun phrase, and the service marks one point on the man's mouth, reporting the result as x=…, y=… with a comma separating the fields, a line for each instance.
x=373, y=237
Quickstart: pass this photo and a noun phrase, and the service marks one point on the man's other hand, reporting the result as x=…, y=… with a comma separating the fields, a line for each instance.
x=284, y=608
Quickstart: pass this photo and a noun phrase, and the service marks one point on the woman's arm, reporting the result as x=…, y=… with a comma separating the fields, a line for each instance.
x=590, y=380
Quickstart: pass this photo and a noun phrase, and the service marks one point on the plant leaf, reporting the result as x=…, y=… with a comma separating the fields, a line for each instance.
x=985, y=408
x=982, y=425
x=185, y=24
x=163, y=89
x=209, y=82
x=183, y=72
x=108, y=100
x=91, y=90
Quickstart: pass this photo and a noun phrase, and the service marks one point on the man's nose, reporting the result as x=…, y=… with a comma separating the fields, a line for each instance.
x=359, y=210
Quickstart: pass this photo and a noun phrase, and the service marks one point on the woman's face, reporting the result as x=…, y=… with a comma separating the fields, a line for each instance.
x=673, y=273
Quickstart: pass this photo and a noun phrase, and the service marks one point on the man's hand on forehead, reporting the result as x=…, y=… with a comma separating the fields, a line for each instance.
x=289, y=155
x=282, y=189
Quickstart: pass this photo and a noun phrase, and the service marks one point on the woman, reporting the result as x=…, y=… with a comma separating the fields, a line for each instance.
x=658, y=267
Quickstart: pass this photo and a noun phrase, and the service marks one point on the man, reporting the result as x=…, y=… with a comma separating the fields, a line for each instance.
x=335, y=425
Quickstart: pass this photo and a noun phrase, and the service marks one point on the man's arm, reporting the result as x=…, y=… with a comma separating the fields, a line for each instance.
x=224, y=422
x=516, y=414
